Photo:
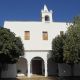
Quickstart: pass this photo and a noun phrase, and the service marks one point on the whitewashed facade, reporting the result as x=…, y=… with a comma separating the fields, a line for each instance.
x=36, y=49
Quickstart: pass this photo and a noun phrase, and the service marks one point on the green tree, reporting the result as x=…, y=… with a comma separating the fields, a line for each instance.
x=57, y=48
x=11, y=47
x=72, y=43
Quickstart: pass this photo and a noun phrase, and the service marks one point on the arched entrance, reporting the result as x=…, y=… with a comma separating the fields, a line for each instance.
x=37, y=66
x=22, y=66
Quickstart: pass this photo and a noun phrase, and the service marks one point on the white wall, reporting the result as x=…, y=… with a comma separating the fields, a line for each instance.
x=29, y=55
x=36, y=28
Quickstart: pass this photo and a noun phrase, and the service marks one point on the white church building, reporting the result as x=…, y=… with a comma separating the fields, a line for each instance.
x=37, y=39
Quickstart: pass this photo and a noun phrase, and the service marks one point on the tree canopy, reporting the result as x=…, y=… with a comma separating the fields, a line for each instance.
x=57, y=48
x=11, y=47
x=72, y=42
x=67, y=48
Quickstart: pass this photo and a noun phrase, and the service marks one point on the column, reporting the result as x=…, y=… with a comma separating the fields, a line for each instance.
x=46, y=68
x=29, y=74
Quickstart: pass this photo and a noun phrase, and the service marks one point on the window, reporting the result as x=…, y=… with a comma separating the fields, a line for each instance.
x=45, y=35
x=61, y=33
x=47, y=18
x=27, y=35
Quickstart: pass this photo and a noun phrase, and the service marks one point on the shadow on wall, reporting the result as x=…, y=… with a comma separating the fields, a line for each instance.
x=52, y=66
x=22, y=66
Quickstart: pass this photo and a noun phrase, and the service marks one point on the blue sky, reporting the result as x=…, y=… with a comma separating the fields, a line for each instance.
x=29, y=10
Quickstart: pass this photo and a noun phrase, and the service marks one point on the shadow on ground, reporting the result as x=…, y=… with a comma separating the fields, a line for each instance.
x=69, y=78
x=9, y=79
x=33, y=78
x=43, y=78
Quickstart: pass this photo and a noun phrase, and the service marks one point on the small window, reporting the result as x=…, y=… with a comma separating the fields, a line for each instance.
x=27, y=35
x=61, y=32
x=45, y=35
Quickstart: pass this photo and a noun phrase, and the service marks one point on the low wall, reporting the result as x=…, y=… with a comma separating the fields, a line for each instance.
x=76, y=69
x=65, y=69
x=52, y=69
x=10, y=71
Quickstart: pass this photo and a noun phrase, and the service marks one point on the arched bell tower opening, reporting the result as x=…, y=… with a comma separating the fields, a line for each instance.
x=46, y=15
x=47, y=18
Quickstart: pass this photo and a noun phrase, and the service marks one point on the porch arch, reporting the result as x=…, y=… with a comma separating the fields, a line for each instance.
x=22, y=66
x=37, y=65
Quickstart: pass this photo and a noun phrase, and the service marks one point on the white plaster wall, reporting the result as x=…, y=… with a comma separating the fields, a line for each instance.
x=36, y=28
x=11, y=72
x=29, y=55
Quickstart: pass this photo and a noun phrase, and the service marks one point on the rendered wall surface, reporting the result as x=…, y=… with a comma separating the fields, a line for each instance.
x=11, y=71
x=52, y=68
x=76, y=69
x=36, y=28
x=64, y=69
